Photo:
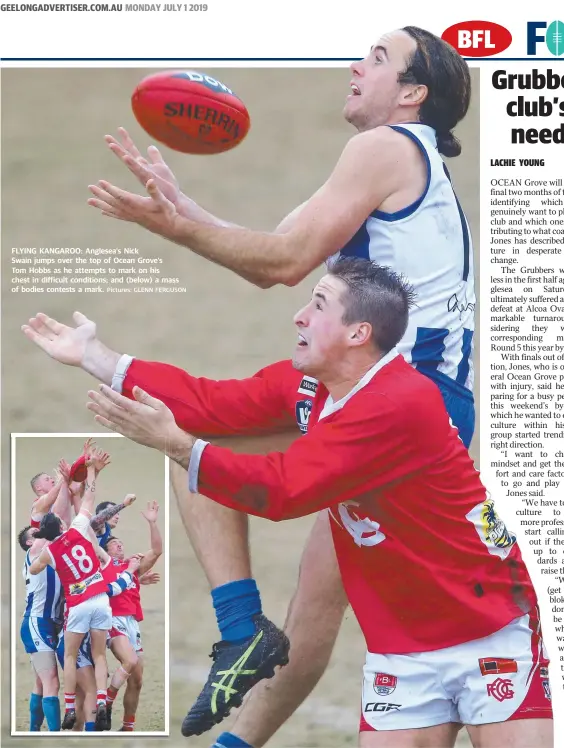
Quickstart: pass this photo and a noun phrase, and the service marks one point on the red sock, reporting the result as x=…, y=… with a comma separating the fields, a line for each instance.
x=128, y=723
x=69, y=701
x=100, y=698
x=112, y=693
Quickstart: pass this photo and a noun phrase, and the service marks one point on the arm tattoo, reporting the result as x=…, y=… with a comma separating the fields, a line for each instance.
x=106, y=514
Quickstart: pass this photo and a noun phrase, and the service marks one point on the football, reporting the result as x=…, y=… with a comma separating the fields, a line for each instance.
x=78, y=471
x=190, y=112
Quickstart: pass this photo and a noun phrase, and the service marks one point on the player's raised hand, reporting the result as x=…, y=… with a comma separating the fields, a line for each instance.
x=88, y=445
x=98, y=459
x=151, y=513
x=63, y=343
x=64, y=470
x=156, y=213
x=129, y=499
x=134, y=563
x=153, y=167
x=150, y=577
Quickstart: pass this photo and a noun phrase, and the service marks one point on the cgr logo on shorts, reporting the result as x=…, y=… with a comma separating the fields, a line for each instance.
x=381, y=707
x=385, y=684
x=501, y=689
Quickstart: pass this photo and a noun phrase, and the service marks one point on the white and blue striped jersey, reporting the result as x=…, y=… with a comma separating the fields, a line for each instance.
x=43, y=593
x=429, y=243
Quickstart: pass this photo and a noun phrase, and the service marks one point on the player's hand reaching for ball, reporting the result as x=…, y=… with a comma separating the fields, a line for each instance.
x=153, y=167
x=151, y=513
x=65, y=344
x=150, y=577
x=156, y=212
x=98, y=459
x=64, y=470
x=144, y=420
x=129, y=499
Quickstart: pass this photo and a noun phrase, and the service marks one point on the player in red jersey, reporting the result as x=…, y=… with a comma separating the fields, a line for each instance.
x=435, y=578
x=125, y=635
x=51, y=494
x=86, y=694
x=56, y=494
x=73, y=556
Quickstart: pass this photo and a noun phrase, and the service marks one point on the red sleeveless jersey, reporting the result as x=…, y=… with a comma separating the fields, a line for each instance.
x=77, y=566
x=129, y=602
x=34, y=522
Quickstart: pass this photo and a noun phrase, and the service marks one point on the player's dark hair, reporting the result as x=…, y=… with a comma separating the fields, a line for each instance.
x=377, y=295
x=438, y=66
x=34, y=480
x=108, y=541
x=50, y=527
x=104, y=505
x=23, y=538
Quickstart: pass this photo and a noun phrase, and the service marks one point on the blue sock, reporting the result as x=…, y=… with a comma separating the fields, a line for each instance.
x=90, y=727
x=35, y=712
x=228, y=740
x=235, y=605
x=52, y=710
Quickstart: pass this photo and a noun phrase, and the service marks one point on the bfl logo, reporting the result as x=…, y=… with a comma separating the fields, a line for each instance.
x=553, y=37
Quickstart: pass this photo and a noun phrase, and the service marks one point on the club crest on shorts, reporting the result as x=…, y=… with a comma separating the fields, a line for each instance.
x=385, y=684
x=501, y=689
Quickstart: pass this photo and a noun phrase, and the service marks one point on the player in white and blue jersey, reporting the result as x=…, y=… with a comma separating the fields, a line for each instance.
x=39, y=629
x=389, y=198
x=429, y=242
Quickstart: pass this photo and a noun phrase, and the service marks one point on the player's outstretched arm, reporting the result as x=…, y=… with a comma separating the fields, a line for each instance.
x=204, y=406
x=150, y=558
x=44, y=504
x=102, y=517
x=365, y=175
x=75, y=346
x=96, y=460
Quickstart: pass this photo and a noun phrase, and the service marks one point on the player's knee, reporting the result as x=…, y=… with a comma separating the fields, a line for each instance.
x=50, y=682
x=130, y=662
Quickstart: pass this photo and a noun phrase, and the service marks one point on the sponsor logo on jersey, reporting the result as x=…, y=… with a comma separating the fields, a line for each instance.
x=543, y=672
x=381, y=707
x=385, y=684
x=79, y=587
x=501, y=689
x=308, y=386
x=491, y=528
x=495, y=530
x=303, y=412
x=497, y=666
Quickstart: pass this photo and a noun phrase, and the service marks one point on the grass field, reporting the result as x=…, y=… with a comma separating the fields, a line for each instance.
x=53, y=125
